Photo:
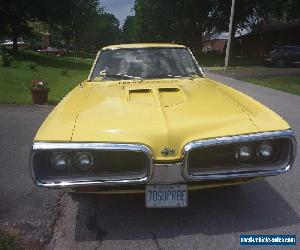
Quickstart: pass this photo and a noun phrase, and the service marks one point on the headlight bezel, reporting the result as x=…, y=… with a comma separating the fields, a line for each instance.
x=41, y=152
x=262, y=168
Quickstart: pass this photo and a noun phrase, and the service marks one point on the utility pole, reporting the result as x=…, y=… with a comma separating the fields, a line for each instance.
x=229, y=35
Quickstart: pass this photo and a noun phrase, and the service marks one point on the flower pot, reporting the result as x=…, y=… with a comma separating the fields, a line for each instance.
x=39, y=95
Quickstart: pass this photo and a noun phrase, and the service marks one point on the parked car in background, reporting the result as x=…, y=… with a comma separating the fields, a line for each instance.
x=282, y=56
x=9, y=44
x=147, y=120
x=52, y=51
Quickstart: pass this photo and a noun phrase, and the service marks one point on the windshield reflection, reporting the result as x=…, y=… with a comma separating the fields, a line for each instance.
x=145, y=63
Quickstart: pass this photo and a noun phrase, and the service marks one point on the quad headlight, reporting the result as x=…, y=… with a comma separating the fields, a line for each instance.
x=255, y=153
x=83, y=161
x=60, y=161
x=244, y=153
x=265, y=151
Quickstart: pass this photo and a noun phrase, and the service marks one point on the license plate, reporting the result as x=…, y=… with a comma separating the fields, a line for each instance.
x=173, y=195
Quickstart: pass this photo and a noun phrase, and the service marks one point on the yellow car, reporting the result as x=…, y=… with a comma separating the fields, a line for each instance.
x=148, y=120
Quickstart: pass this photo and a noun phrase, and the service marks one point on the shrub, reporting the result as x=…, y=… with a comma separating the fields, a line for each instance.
x=32, y=66
x=5, y=57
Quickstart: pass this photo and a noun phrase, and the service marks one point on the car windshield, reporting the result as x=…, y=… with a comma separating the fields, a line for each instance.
x=145, y=63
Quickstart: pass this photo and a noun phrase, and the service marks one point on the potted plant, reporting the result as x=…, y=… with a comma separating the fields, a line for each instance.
x=39, y=92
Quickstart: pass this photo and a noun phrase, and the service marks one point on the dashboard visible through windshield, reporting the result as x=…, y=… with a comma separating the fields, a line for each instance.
x=145, y=63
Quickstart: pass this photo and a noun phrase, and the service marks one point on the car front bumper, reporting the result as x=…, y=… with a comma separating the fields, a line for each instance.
x=174, y=172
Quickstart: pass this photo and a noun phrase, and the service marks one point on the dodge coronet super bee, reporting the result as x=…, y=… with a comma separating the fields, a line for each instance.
x=148, y=120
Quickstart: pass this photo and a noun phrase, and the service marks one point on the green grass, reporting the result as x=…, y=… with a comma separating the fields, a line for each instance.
x=61, y=74
x=9, y=242
x=217, y=61
x=290, y=84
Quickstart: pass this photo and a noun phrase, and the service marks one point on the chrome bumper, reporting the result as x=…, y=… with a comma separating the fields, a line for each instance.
x=171, y=172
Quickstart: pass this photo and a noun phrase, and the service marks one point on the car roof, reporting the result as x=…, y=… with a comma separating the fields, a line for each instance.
x=143, y=45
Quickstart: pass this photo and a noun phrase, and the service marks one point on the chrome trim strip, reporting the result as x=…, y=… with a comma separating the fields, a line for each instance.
x=196, y=62
x=240, y=138
x=91, y=145
x=67, y=184
x=94, y=65
x=37, y=146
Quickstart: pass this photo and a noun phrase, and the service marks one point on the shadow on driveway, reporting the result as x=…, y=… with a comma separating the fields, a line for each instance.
x=217, y=211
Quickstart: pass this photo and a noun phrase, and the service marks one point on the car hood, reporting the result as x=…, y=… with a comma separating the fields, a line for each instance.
x=157, y=113
x=164, y=113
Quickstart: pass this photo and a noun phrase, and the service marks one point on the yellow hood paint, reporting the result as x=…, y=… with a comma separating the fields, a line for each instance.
x=157, y=113
x=59, y=125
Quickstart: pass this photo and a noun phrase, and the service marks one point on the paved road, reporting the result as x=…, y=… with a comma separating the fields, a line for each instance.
x=215, y=218
x=23, y=207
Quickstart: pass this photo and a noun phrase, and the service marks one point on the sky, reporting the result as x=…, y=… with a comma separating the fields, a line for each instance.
x=120, y=8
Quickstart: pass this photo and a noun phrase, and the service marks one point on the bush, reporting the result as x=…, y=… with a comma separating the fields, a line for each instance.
x=32, y=66
x=5, y=57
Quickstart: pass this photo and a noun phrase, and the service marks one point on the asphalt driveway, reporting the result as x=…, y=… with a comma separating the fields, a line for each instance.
x=214, y=220
x=24, y=208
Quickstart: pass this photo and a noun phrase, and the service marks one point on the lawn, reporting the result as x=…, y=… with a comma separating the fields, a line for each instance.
x=217, y=61
x=9, y=241
x=61, y=74
x=289, y=84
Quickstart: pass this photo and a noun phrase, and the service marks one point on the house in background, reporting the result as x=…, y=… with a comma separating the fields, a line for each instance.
x=215, y=43
x=260, y=41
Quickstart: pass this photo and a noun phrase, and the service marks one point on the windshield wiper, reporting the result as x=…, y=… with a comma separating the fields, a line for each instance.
x=165, y=76
x=123, y=75
x=175, y=76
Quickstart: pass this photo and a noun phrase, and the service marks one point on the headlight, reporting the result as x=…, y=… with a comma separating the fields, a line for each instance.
x=244, y=153
x=84, y=161
x=265, y=151
x=60, y=161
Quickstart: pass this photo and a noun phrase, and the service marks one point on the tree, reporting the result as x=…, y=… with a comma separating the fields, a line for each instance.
x=13, y=15
x=102, y=30
x=292, y=9
x=82, y=23
x=130, y=30
x=169, y=20
x=73, y=15
x=277, y=10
